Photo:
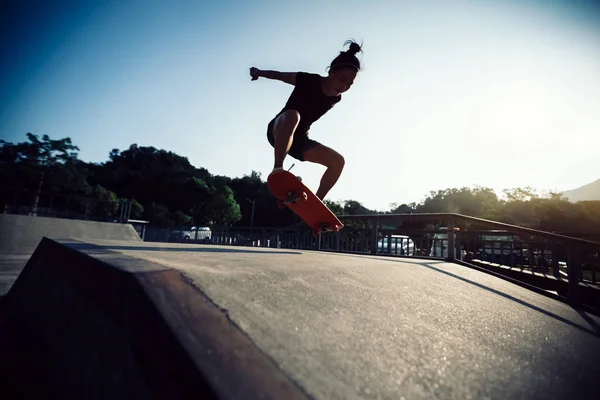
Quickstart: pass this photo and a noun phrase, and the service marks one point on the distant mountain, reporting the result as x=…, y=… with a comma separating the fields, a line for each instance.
x=591, y=191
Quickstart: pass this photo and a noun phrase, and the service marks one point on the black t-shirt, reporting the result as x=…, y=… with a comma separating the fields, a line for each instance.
x=309, y=100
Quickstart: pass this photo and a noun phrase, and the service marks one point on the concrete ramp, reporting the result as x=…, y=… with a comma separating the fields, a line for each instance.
x=20, y=234
x=85, y=322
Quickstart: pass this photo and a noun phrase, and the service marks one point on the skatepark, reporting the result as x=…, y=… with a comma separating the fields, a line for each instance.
x=92, y=311
x=382, y=200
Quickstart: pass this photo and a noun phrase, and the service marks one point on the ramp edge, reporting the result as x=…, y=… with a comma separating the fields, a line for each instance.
x=169, y=332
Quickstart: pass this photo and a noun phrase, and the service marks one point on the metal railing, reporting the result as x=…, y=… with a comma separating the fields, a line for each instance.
x=567, y=258
x=575, y=252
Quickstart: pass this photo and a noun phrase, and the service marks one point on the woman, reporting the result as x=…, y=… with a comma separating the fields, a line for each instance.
x=312, y=97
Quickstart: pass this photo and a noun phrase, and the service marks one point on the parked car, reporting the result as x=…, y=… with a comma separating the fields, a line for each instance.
x=196, y=233
x=401, y=245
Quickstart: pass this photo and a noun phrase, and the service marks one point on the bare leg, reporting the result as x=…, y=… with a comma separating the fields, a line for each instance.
x=331, y=159
x=283, y=134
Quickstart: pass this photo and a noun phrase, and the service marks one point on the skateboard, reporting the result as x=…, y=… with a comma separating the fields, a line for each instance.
x=291, y=192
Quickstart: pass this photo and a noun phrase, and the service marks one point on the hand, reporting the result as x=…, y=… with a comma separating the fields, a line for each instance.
x=254, y=73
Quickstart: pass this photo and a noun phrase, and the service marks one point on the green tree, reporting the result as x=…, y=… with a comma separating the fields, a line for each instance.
x=402, y=208
x=170, y=189
x=159, y=215
x=106, y=206
x=221, y=208
x=28, y=165
x=137, y=210
x=520, y=194
x=353, y=207
x=335, y=207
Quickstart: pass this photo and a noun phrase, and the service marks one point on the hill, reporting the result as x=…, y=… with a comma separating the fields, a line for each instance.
x=591, y=191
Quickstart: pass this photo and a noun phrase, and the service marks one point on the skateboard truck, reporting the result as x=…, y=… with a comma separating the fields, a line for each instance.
x=294, y=197
x=326, y=228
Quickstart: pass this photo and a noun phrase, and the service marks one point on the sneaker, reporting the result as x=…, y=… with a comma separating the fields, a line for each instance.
x=276, y=170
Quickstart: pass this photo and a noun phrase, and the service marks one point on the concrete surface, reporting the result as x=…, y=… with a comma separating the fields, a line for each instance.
x=21, y=234
x=349, y=326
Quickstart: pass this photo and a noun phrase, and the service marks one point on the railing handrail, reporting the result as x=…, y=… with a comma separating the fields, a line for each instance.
x=438, y=216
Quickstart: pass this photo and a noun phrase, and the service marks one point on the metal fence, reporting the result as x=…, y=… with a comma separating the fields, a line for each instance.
x=556, y=258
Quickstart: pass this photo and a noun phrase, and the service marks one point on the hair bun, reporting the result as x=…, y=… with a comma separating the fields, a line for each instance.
x=354, y=48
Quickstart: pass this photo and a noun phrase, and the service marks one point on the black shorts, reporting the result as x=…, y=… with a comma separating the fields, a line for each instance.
x=300, y=144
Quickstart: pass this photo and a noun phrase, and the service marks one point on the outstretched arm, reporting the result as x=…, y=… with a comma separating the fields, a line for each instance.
x=287, y=77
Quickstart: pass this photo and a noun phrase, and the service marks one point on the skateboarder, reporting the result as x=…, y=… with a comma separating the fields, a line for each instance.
x=313, y=95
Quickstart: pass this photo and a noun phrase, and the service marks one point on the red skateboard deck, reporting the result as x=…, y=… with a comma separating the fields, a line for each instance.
x=293, y=193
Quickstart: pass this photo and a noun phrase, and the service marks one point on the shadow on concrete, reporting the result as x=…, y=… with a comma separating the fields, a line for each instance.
x=199, y=249
x=524, y=303
x=429, y=265
x=589, y=320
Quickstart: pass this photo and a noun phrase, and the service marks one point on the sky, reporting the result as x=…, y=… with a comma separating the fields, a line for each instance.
x=453, y=93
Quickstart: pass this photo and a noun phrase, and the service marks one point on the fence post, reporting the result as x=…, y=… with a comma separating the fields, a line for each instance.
x=129, y=207
x=374, y=234
x=555, y=266
x=573, y=273
x=451, y=241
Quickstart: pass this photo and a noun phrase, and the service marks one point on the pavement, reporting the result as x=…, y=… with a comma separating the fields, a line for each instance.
x=345, y=326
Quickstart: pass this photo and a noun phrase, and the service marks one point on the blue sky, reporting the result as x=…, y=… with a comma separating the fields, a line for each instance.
x=498, y=94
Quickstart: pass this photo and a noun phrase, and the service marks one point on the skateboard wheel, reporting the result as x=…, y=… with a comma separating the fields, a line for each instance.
x=304, y=196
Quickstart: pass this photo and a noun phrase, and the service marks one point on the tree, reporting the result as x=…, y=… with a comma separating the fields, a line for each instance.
x=402, y=208
x=137, y=210
x=171, y=190
x=36, y=158
x=159, y=215
x=335, y=207
x=168, y=190
x=221, y=208
x=106, y=206
x=520, y=194
x=353, y=207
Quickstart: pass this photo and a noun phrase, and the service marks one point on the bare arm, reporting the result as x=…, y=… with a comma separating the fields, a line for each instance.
x=287, y=77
